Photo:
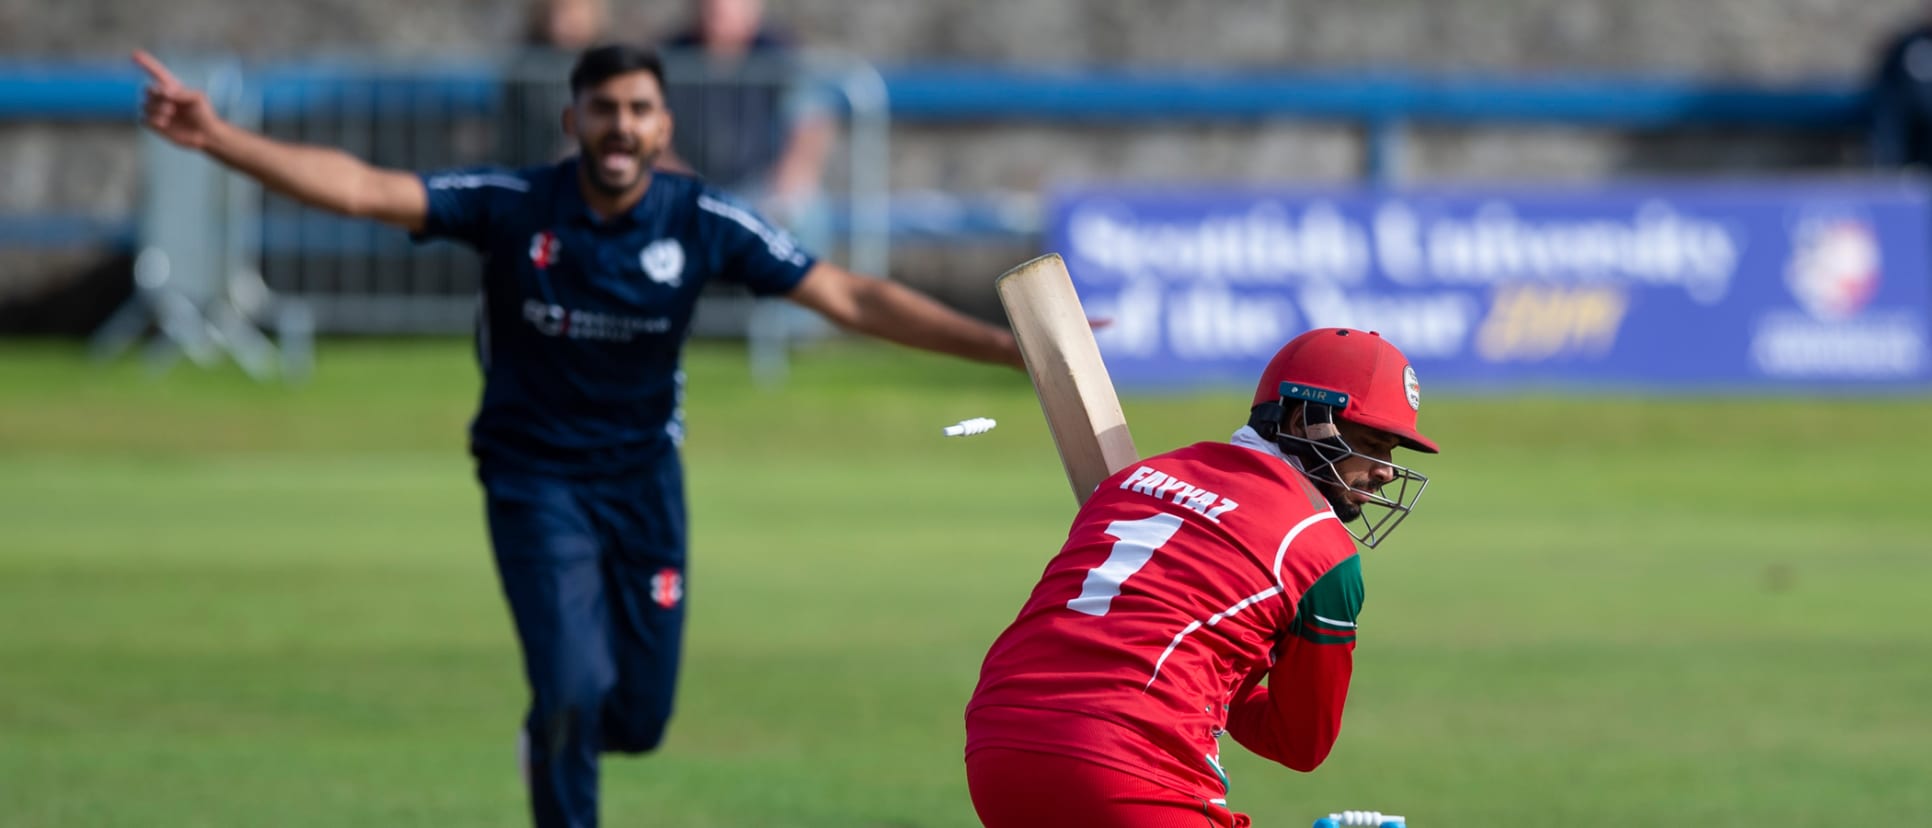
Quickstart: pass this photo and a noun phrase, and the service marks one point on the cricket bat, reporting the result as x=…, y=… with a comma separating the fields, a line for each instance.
x=1075, y=392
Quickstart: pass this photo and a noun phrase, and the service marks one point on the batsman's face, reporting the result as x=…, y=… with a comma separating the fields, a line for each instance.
x=1363, y=473
x=621, y=127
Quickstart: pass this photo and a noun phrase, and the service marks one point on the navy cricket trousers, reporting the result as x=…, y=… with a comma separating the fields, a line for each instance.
x=594, y=573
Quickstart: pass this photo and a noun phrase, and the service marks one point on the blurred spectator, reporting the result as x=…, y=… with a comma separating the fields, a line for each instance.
x=568, y=26
x=1902, y=98
x=746, y=127
x=554, y=32
x=749, y=122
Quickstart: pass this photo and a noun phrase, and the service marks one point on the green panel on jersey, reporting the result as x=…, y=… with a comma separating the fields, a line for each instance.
x=1326, y=613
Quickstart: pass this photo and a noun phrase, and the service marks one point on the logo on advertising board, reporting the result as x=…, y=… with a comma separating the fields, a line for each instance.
x=1836, y=269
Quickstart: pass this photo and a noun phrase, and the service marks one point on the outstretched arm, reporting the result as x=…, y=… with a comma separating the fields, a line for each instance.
x=896, y=313
x=321, y=177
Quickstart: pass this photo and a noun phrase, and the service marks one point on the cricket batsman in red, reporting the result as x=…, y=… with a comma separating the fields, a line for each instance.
x=1210, y=590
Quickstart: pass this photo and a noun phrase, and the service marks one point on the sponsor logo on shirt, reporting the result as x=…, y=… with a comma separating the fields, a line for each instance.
x=573, y=323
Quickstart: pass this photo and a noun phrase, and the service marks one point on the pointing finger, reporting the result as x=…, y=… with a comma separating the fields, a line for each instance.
x=162, y=77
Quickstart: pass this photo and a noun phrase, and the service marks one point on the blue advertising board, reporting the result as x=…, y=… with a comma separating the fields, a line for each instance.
x=1682, y=286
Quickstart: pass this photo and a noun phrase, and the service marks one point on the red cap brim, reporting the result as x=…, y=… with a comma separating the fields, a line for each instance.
x=1409, y=437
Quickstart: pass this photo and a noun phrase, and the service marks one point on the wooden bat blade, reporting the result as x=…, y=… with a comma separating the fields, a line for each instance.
x=1076, y=395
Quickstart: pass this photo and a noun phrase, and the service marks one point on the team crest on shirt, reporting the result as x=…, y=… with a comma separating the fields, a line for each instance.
x=545, y=249
x=663, y=261
x=667, y=588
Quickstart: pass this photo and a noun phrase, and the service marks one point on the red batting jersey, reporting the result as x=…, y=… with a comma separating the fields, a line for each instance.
x=1187, y=579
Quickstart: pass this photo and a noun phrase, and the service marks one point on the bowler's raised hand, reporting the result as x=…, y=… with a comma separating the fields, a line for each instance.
x=180, y=114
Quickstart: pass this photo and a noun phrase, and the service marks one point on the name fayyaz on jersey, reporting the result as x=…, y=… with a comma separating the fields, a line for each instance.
x=1160, y=485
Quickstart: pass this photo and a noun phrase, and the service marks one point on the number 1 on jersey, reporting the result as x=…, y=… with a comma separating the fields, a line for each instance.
x=1134, y=547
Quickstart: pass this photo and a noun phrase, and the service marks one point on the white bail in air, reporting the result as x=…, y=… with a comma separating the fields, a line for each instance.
x=967, y=428
x=1368, y=818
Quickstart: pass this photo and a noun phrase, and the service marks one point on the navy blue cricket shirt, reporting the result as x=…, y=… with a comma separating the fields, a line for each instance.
x=583, y=320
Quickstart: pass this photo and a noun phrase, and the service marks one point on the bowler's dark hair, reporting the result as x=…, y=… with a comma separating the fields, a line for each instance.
x=601, y=63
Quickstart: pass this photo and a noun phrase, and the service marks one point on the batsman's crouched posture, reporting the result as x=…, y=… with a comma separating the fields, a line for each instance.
x=1212, y=589
x=593, y=268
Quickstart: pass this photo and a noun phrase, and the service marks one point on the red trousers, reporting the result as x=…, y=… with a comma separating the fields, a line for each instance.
x=1021, y=789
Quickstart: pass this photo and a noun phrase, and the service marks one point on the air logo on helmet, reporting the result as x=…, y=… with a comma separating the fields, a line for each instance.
x=1313, y=394
x=1412, y=386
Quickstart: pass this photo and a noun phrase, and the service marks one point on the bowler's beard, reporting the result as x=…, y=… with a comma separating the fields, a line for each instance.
x=588, y=155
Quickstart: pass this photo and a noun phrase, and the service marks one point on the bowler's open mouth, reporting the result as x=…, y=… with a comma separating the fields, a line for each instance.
x=617, y=159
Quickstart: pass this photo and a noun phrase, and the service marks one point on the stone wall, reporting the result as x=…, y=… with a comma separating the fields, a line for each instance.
x=92, y=170
x=1767, y=39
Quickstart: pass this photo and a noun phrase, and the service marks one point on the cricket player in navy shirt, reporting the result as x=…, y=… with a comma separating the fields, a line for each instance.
x=593, y=267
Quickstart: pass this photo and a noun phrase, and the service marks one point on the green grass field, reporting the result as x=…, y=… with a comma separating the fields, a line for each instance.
x=224, y=604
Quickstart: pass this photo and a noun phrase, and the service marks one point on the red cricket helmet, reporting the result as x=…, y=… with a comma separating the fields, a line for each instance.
x=1366, y=379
